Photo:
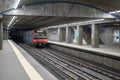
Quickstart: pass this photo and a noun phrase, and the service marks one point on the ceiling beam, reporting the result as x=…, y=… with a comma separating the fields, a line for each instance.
x=60, y=10
x=83, y=23
x=38, y=20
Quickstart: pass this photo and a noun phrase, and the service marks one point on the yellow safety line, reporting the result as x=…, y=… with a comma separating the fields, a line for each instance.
x=31, y=72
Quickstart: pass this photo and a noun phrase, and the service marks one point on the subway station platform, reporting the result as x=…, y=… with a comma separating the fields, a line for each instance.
x=17, y=64
x=107, y=50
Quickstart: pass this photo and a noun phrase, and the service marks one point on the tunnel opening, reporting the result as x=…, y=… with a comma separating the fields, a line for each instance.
x=15, y=35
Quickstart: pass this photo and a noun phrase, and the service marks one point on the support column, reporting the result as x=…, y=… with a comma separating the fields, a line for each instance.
x=79, y=35
x=68, y=35
x=95, y=36
x=1, y=35
x=60, y=35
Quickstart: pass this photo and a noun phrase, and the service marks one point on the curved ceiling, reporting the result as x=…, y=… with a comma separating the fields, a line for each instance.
x=108, y=6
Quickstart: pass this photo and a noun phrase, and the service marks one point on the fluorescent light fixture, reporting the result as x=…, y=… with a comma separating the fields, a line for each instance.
x=17, y=4
x=11, y=21
x=14, y=17
x=17, y=20
x=113, y=12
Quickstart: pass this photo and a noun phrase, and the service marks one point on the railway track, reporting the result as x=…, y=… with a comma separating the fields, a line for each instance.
x=77, y=62
x=69, y=68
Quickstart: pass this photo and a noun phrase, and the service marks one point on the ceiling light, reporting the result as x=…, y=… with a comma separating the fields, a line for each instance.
x=114, y=12
x=14, y=17
x=17, y=20
x=17, y=3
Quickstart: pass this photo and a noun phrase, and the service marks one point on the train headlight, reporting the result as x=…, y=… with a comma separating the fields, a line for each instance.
x=45, y=40
x=34, y=40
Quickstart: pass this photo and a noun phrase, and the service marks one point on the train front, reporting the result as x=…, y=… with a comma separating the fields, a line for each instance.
x=40, y=38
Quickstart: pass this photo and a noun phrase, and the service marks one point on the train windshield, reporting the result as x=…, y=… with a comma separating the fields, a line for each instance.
x=40, y=34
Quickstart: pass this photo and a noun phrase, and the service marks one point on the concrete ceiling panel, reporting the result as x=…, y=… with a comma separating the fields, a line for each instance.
x=57, y=10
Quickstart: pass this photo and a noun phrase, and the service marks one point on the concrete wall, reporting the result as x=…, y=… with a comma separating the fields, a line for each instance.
x=108, y=62
x=64, y=34
x=106, y=35
x=5, y=35
x=53, y=34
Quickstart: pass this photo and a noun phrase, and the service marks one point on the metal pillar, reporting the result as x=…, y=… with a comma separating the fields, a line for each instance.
x=79, y=35
x=1, y=35
x=68, y=35
x=60, y=37
x=95, y=36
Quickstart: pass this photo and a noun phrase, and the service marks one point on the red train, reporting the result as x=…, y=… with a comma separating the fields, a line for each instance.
x=36, y=37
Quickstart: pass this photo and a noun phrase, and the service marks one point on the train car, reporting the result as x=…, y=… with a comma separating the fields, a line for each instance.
x=35, y=37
